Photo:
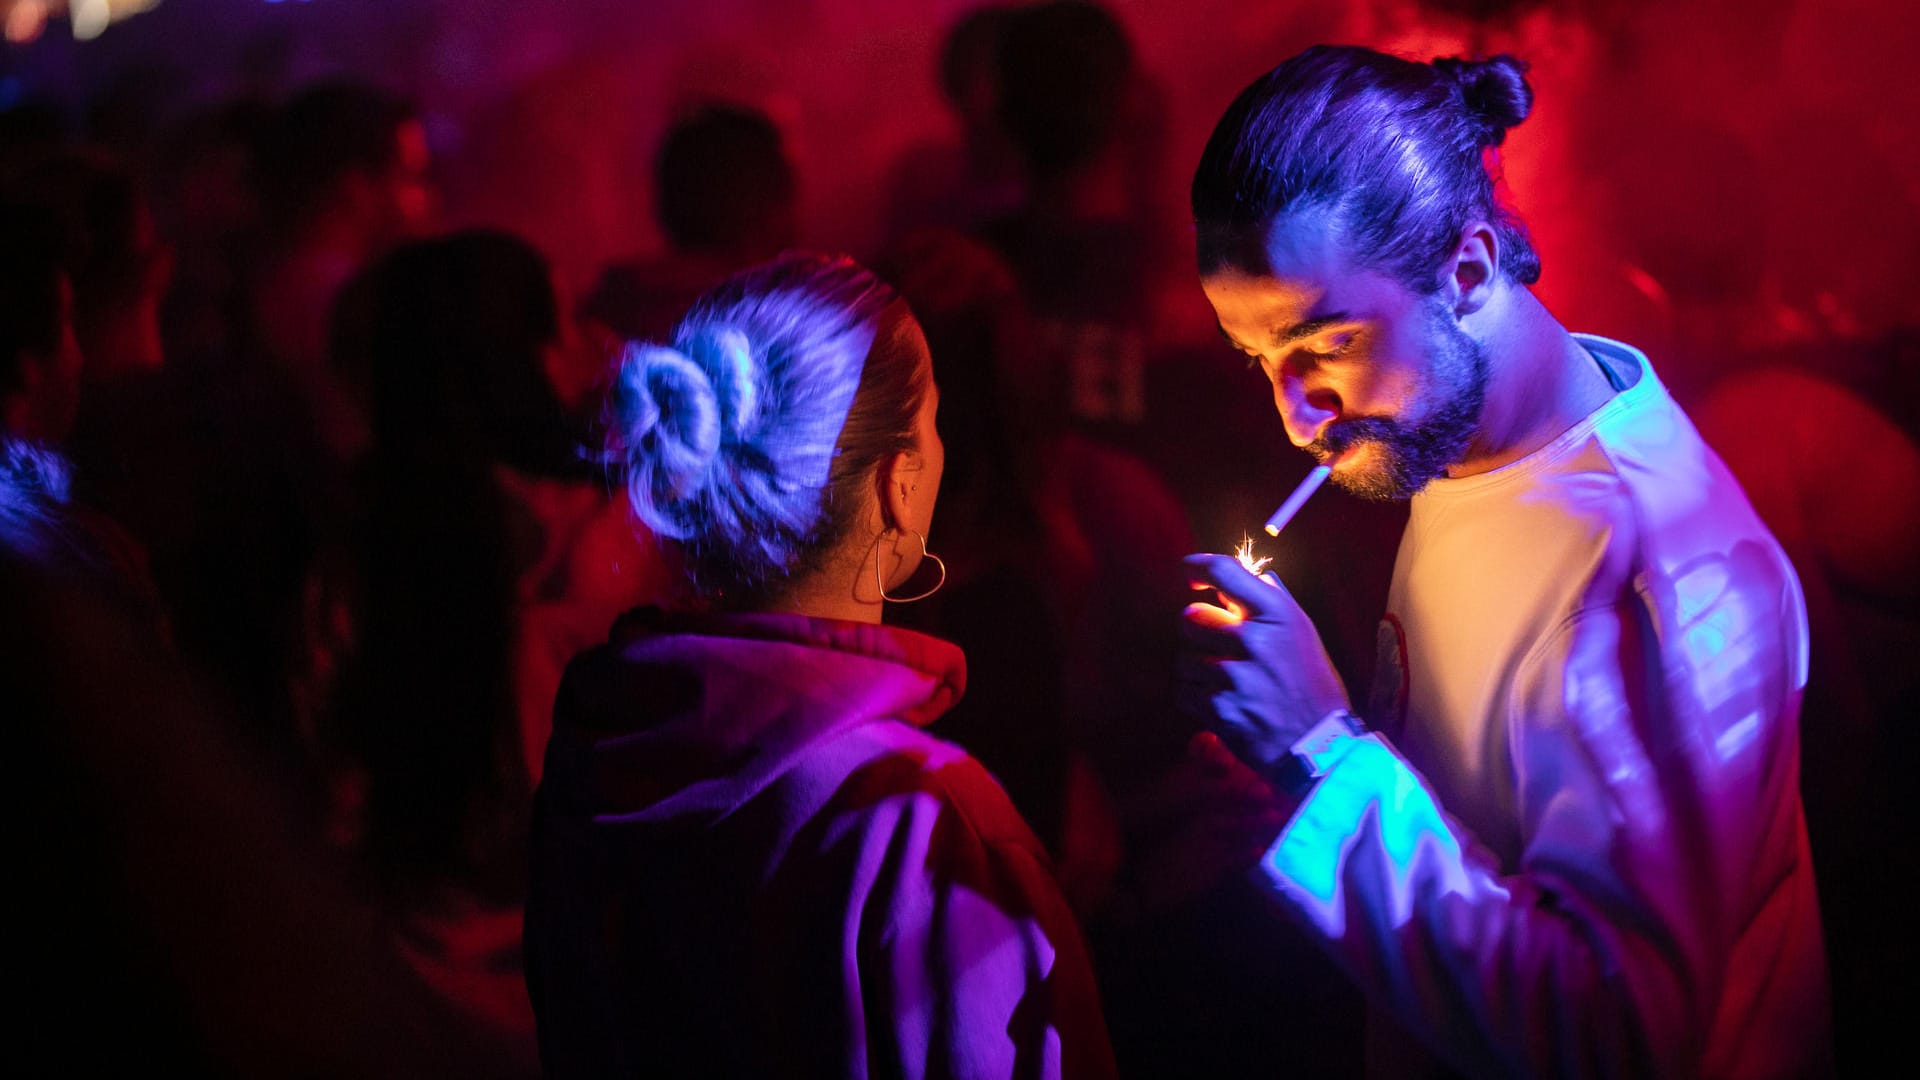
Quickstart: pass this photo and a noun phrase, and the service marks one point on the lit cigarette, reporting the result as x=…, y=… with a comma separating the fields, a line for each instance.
x=1299, y=497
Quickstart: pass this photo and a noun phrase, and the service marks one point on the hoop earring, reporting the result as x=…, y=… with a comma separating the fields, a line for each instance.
x=881, y=584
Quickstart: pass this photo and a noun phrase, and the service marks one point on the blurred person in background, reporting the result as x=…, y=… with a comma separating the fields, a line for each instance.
x=77, y=217
x=726, y=197
x=119, y=269
x=342, y=171
x=1069, y=96
x=205, y=465
x=208, y=212
x=229, y=462
x=484, y=554
x=173, y=889
x=117, y=265
x=965, y=182
x=749, y=859
x=1074, y=703
x=40, y=359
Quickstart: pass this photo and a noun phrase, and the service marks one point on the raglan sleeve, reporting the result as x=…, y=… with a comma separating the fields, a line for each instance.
x=971, y=963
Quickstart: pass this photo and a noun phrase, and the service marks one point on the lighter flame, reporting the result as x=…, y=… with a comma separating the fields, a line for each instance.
x=1245, y=554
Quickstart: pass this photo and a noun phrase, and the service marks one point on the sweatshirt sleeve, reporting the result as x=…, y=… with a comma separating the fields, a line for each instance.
x=1655, y=778
x=970, y=962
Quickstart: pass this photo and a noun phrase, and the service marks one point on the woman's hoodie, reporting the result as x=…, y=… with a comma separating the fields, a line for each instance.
x=749, y=860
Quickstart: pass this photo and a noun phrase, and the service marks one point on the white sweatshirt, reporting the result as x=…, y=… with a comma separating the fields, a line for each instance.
x=1575, y=844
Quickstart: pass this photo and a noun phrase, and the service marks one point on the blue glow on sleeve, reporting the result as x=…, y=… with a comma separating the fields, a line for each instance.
x=1370, y=790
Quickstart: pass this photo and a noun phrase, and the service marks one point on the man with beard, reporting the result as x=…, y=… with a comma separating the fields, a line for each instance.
x=1567, y=836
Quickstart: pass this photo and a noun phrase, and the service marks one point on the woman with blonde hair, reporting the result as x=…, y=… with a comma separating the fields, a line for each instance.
x=749, y=859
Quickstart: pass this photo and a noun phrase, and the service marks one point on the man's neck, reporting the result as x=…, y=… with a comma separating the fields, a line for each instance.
x=1541, y=383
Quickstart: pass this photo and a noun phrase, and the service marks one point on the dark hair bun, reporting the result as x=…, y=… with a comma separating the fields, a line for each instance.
x=1495, y=91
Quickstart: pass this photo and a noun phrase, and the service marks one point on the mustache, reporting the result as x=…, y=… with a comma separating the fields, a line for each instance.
x=1344, y=433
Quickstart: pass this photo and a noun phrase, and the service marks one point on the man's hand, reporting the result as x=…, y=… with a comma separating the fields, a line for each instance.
x=1255, y=669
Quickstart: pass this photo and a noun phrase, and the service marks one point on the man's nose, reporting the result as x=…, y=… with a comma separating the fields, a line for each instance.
x=1306, y=412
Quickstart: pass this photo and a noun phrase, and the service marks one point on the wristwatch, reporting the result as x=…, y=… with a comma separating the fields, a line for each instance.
x=1314, y=754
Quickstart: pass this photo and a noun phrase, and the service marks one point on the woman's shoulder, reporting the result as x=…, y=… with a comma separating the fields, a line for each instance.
x=969, y=806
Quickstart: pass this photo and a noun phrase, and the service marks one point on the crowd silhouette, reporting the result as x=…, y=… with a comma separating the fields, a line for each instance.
x=306, y=506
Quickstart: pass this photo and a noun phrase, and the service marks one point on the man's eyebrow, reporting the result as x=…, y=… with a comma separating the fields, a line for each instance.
x=1306, y=328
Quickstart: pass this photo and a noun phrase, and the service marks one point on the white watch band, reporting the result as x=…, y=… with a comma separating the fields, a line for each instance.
x=1325, y=743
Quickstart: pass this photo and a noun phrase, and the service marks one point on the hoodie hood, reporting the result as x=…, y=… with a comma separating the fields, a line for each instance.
x=686, y=716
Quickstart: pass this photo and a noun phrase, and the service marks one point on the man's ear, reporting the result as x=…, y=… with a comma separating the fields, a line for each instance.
x=1473, y=270
x=899, y=484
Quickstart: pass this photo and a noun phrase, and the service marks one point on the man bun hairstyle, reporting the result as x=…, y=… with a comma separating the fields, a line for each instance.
x=1401, y=155
x=747, y=439
x=1495, y=91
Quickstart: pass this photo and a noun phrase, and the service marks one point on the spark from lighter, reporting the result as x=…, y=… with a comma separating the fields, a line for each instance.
x=1245, y=554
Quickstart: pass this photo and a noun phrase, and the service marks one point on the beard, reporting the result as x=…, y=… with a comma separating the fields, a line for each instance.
x=1413, y=454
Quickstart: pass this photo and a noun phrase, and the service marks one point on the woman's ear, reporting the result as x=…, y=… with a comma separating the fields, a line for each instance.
x=899, y=489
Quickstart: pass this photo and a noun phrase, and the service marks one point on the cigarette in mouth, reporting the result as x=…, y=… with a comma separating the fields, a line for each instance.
x=1300, y=496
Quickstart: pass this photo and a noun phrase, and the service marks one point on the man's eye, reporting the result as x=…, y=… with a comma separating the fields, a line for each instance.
x=1328, y=350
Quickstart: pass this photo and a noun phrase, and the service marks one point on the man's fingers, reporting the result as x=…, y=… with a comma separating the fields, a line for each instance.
x=1259, y=598
x=1207, y=630
x=1209, y=617
x=1252, y=681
